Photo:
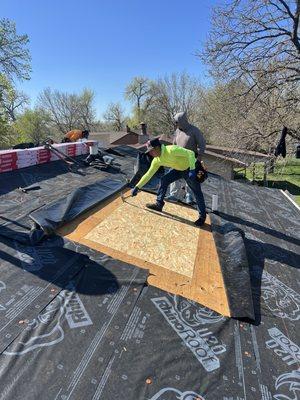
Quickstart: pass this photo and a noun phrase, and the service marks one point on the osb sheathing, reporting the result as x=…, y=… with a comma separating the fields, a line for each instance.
x=181, y=258
x=169, y=240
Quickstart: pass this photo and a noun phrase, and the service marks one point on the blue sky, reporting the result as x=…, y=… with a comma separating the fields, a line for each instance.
x=102, y=44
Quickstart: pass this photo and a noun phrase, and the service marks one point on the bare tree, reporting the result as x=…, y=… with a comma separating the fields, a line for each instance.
x=68, y=111
x=140, y=93
x=254, y=39
x=115, y=117
x=172, y=94
x=87, y=112
x=14, y=101
x=254, y=51
x=228, y=120
x=14, y=56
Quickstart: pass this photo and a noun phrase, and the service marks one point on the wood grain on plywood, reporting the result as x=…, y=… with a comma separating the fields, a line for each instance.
x=166, y=239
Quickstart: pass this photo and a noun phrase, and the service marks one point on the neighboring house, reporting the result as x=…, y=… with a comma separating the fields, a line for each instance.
x=127, y=137
x=223, y=160
x=221, y=165
x=103, y=138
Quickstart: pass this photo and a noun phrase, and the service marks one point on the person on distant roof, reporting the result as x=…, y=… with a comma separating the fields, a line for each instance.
x=75, y=135
x=189, y=137
x=182, y=163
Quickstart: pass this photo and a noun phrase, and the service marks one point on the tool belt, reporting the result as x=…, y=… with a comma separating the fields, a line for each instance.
x=201, y=171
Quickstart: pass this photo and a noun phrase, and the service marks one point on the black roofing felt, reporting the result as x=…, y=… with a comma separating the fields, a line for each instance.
x=77, y=324
x=51, y=216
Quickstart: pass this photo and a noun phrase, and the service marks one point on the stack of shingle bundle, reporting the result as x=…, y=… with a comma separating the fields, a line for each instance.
x=15, y=159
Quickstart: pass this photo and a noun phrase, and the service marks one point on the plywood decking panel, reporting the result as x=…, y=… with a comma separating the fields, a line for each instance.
x=202, y=281
x=207, y=286
x=167, y=239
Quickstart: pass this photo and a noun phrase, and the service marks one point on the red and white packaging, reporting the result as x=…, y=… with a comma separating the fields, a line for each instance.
x=8, y=157
x=71, y=150
x=22, y=158
x=43, y=156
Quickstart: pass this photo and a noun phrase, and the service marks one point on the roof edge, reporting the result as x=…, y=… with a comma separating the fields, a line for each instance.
x=290, y=199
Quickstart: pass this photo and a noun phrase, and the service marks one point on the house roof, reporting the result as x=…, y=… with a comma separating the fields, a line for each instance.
x=230, y=149
x=111, y=136
x=119, y=135
x=245, y=156
x=86, y=325
x=222, y=157
x=100, y=136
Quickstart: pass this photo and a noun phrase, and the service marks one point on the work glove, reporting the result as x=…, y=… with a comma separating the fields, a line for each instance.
x=134, y=191
x=192, y=174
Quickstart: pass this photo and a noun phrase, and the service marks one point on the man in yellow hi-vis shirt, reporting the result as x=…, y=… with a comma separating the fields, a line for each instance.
x=182, y=163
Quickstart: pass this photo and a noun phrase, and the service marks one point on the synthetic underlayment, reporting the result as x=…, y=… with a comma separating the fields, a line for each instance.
x=84, y=325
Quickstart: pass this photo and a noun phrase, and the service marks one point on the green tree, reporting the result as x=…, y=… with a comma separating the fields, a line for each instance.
x=32, y=126
x=6, y=136
x=4, y=125
x=12, y=100
x=14, y=54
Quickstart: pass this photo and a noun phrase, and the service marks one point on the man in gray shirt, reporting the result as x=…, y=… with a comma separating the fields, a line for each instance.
x=189, y=137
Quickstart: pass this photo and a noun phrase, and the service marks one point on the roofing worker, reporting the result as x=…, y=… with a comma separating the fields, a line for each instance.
x=189, y=137
x=75, y=135
x=182, y=163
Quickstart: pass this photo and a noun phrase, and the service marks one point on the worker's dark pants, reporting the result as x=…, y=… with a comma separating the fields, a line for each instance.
x=172, y=176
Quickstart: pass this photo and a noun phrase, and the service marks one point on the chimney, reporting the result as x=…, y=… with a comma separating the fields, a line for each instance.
x=143, y=128
x=143, y=137
x=128, y=129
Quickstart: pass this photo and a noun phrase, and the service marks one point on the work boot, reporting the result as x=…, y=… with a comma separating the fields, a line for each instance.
x=200, y=221
x=155, y=206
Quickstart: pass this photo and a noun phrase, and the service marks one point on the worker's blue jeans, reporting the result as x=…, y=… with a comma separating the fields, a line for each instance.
x=172, y=176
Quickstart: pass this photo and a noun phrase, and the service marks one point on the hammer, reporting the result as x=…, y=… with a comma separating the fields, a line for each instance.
x=122, y=193
x=123, y=197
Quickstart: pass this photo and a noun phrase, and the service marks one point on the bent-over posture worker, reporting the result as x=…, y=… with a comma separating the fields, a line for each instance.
x=75, y=135
x=191, y=138
x=182, y=163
